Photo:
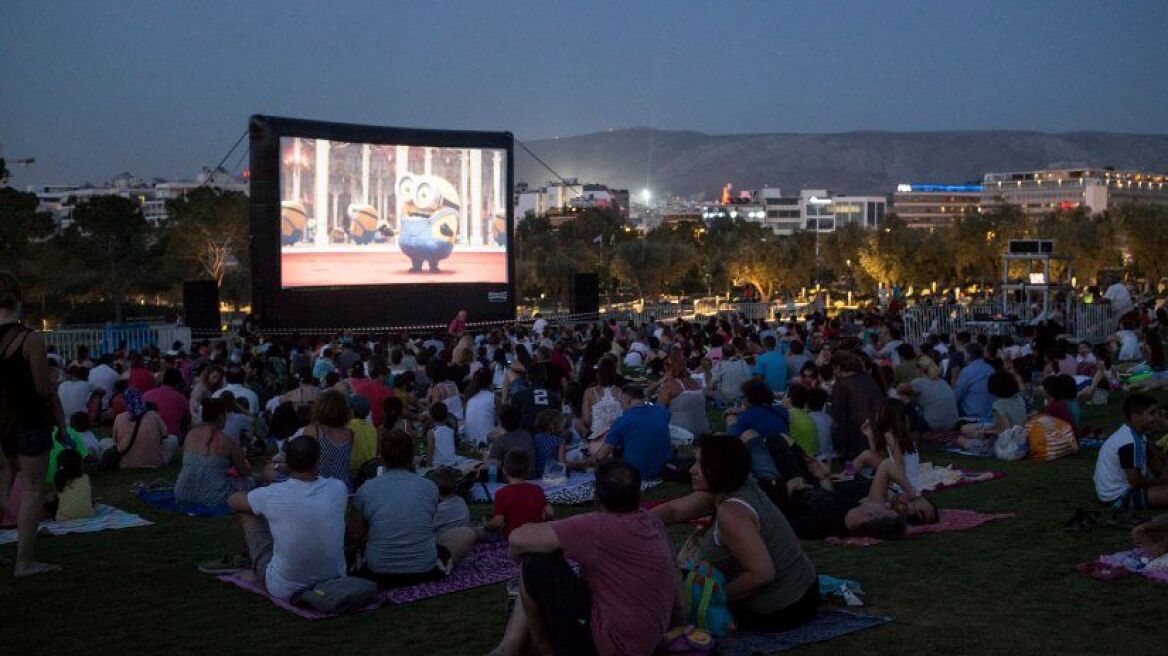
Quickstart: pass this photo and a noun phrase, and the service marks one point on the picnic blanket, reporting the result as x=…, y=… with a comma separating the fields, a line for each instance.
x=970, y=454
x=105, y=518
x=1117, y=565
x=486, y=564
x=578, y=489
x=951, y=520
x=935, y=479
x=826, y=626
x=163, y=499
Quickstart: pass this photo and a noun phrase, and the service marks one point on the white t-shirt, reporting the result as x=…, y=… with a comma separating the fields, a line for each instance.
x=1110, y=478
x=74, y=396
x=912, y=469
x=1129, y=345
x=1119, y=297
x=307, y=520
x=539, y=326
x=242, y=394
x=444, y=449
x=104, y=377
x=480, y=416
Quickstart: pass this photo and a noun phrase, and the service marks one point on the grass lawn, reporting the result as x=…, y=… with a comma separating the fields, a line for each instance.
x=1006, y=588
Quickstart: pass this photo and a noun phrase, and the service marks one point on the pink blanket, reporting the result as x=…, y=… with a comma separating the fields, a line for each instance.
x=1115, y=562
x=485, y=565
x=951, y=520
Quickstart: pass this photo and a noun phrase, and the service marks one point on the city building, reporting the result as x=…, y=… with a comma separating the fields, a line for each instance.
x=569, y=194
x=933, y=205
x=812, y=209
x=59, y=200
x=1047, y=190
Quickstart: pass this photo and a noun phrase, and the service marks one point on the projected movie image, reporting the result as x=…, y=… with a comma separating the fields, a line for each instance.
x=376, y=214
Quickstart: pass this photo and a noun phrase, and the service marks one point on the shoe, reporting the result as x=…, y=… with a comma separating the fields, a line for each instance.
x=1082, y=521
x=225, y=565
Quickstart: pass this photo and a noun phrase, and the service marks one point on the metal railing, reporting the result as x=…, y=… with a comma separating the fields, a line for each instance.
x=1083, y=321
x=106, y=339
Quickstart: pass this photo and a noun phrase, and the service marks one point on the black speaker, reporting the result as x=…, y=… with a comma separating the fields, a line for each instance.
x=201, y=307
x=1031, y=246
x=585, y=293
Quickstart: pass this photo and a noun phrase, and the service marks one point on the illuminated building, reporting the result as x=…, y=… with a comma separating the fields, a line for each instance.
x=1048, y=190
x=812, y=209
x=934, y=205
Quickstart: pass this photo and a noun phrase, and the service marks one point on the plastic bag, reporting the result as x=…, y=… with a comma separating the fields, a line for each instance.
x=1012, y=444
x=554, y=473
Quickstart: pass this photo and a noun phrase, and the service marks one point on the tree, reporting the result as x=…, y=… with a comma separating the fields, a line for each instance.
x=210, y=230
x=1091, y=241
x=4, y=172
x=980, y=240
x=118, y=245
x=21, y=227
x=1145, y=234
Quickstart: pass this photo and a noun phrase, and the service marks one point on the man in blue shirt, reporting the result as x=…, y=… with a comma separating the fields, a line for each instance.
x=771, y=366
x=766, y=420
x=642, y=433
x=972, y=388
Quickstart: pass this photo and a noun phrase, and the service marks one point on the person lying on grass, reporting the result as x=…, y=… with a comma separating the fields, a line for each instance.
x=1131, y=471
x=294, y=529
x=771, y=584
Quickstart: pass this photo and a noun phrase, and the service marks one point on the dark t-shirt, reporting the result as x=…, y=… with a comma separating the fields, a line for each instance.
x=516, y=439
x=818, y=513
x=519, y=504
x=533, y=401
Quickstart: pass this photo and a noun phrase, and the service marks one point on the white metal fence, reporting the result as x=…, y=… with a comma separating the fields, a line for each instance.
x=1083, y=321
x=106, y=339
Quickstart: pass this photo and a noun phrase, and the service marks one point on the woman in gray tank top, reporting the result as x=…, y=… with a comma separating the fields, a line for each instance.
x=771, y=584
x=684, y=397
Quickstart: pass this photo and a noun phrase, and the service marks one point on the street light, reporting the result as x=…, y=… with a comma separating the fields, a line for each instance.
x=646, y=195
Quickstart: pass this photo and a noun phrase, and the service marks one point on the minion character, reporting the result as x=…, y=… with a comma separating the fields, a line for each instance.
x=429, y=221
x=293, y=222
x=363, y=223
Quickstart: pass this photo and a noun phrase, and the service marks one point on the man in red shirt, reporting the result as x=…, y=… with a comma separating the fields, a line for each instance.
x=373, y=389
x=457, y=325
x=172, y=405
x=622, y=601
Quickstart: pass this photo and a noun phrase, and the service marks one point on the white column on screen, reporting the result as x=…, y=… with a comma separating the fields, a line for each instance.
x=476, y=195
x=366, y=151
x=427, y=168
x=463, y=179
x=401, y=165
x=320, y=193
x=497, y=187
x=296, y=168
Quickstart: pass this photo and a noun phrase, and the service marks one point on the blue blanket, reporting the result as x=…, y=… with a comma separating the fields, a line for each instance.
x=828, y=625
x=164, y=500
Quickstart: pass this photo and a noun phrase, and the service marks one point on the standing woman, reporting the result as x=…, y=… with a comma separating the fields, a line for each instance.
x=29, y=409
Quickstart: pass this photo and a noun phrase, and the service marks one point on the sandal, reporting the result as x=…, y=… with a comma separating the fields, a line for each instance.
x=225, y=565
x=1082, y=520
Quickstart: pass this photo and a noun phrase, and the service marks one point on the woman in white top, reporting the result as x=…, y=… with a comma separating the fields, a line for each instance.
x=443, y=390
x=481, y=408
x=684, y=396
x=603, y=402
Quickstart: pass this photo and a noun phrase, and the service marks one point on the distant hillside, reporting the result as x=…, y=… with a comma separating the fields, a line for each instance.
x=691, y=163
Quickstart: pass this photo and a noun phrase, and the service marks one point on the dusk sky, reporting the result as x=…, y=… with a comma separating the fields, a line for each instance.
x=161, y=88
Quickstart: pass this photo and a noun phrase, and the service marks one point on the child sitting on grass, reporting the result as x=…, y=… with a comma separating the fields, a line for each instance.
x=364, y=434
x=83, y=437
x=519, y=502
x=452, y=511
x=549, y=440
x=892, y=440
x=74, y=494
x=816, y=400
x=441, y=444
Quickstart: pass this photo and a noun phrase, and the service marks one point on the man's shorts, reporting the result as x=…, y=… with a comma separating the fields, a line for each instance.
x=28, y=441
x=259, y=541
x=1135, y=498
x=564, y=603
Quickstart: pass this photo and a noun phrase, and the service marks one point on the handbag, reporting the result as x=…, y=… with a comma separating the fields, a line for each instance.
x=343, y=594
x=706, y=605
x=112, y=458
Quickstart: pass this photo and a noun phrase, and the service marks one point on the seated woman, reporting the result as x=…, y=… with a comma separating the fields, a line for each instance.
x=1104, y=378
x=891, y=439
x=1008, y=410
x=684, y=396
x=330, y=419
x=549, y=440
x=139, y=434
x=771, y=584
x=208, y=454
x=1060, y=393
x=394, y=519
x=931, y=400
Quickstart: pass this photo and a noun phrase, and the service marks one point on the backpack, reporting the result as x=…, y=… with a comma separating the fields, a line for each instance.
x=706, y=606
x=1050, y=438
x=343, y=594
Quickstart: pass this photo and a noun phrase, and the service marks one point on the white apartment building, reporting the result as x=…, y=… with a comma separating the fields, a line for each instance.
x=1047, y=190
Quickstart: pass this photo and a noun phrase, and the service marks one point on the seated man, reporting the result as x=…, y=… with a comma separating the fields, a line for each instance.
x=1130, y=471
x=295, y=529
x=623, y=599
x=642, y=434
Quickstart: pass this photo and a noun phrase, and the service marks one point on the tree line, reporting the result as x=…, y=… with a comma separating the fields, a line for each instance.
x=110, y=256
